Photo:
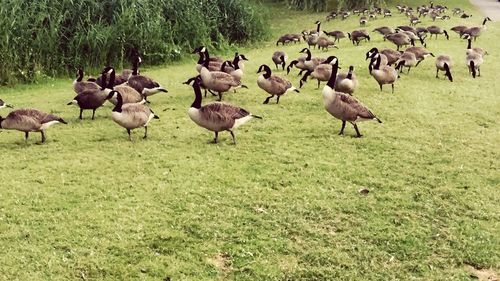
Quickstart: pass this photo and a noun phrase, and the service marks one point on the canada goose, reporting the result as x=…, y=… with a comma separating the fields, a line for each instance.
x=346, y=82
x=444, y=63
x=384, y=30
x=414, y=20
x=465, y=16
x=400, y=39
x=299, y=63
x=478, y=50
x=29, y=120
x=218, y=81
x=284, y=39
x=216, y=116
x=272, y=84
x=358, y=35
x=92, y=98
x=4, y=105
x=435, y=30
x=213, y=64
x=407, y=59
x=312, y=40
x=122, y=78
x=459, y=29
x=324, y=43
x=310, y=63
x=321, y=72
x=343, y=106
x=131, y=115
x=79, y=85
x=420, y=52
x=129, y=94
x=389, y=57
x=236, y=66
x=476, y=31
x=387, y=13
x=407, y=28
x=142, y=84
x=337, y=34
x=363, y=20
x=372, y=54
x=383, y=74
x=474, y=61
x=280, y=57
x=413, y=37
x=315, y=31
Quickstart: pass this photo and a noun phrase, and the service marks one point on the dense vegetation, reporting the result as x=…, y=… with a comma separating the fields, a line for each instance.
x=52, y=37
x=324, y=5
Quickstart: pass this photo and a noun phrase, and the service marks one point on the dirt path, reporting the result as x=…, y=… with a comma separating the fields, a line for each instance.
x=490, y=8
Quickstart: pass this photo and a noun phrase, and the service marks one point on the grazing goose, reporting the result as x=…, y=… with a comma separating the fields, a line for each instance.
x=420, y=52
x=131, y=115
x=217, y=116
x=407, y=28
x=129, y=94
x=235, y=67
x=413, y=37
x=421, y=32
x=321, y=72
x=280, y=57
x=142, y=84
x=435, y=30
x=346, y=82
x=383, y=74
x=29, y=120
x=92, y=99
x=476, y=31
x=218, y=81
x=384, y=30
x=312, y=40
x=336, y=34
x=299, y=63
x=400, y=39
x=389, y=56
x=474, y=61
x=407, y=59
x=324, y=43
x=272, y=84
x=358, y=35
x=444, y=63
x=459, y=29
x=310, y=63
x=343, y=106
x=4, y=105
x=363, y=20
x=79, y=85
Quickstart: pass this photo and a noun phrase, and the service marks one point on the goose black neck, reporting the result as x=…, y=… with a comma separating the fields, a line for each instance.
x=197, y=93
x=333, y=76
x=207, y=59
x=304, y=78
x=469, y=44
x=377, y=64
x=80, y=76
x=267, y=69
x=135, y=67
x=484, y=21
x=349, y=74
x=236, y=62
x=201, y=60
x=308, y=54
x=447, y=71
x=111, y=81
x=119, y=103
x=318, y=27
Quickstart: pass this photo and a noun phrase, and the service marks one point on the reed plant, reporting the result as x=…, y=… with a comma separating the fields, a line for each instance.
x=53, y=37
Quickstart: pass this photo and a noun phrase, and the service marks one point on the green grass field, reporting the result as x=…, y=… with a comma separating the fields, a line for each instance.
x=283, y=204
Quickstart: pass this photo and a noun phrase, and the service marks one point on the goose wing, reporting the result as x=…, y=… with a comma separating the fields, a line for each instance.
x=223, y=113
x=280, y=83
x=354, y=107
x=139, y=83
x=225, y=78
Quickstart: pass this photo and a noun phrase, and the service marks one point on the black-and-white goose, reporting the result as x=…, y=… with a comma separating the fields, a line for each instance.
x=216, y=116
x=79, y=85
x=142, y=84
x=29, y=120
x=131, y=115
x=273, y=85
x=91, y=98
x=345, y=107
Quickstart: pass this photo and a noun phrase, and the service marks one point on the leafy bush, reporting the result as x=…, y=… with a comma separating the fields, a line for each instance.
x=52, y=37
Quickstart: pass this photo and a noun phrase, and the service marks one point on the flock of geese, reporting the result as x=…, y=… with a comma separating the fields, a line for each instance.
x=129, y=90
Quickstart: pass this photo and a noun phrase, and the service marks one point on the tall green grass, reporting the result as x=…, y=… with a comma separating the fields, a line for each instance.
x=325, y=5
x=52, y=37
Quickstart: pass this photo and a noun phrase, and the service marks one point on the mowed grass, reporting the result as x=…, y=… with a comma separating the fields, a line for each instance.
x=283, y=204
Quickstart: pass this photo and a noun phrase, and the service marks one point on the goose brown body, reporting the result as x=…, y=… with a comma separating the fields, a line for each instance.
x=272, y=84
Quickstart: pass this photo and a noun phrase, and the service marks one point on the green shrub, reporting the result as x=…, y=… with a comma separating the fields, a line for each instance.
x=53, y=37
x=327, y=5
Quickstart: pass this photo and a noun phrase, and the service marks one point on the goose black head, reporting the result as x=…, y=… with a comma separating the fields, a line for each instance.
x=226, y=64
x=292, y=63
x=193, y=80
x=111, y=94
x=317, y=22
x=330, y=60
x=242, y=57
x=79, y=72
x=305, y=50
x=107, y=70
x=371, y=53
